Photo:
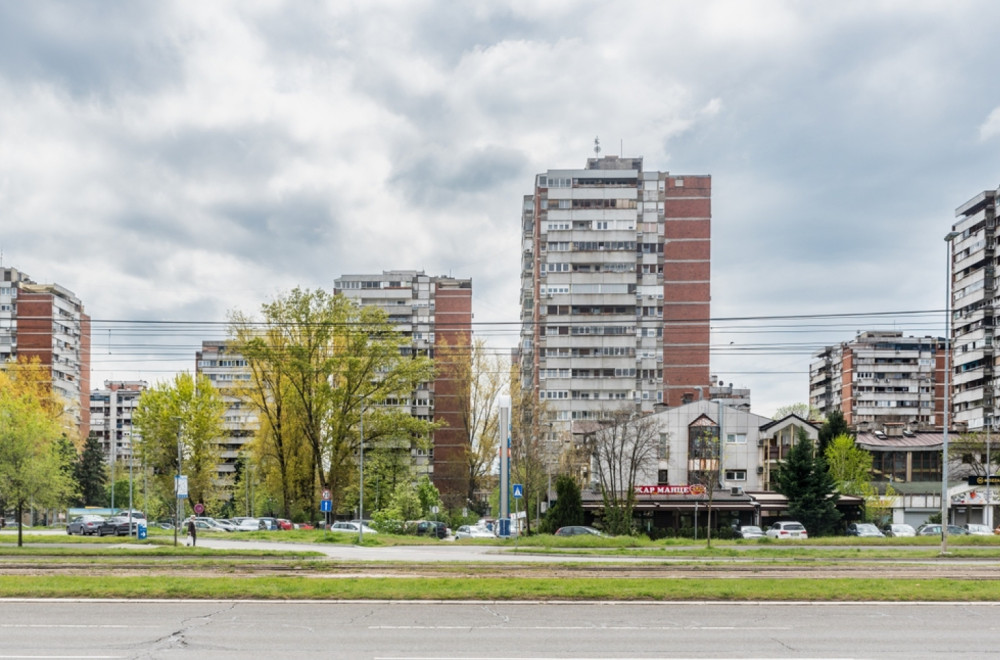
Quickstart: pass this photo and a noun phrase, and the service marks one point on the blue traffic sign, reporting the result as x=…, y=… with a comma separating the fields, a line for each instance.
x=518, y=491
x=326, y=506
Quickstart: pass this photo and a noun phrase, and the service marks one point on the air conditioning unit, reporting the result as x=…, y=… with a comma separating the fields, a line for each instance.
x=760, y=469
x=735, y=490
x=760, y=442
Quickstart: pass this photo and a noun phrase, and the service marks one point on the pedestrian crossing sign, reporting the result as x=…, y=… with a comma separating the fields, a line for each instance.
x=518, y=491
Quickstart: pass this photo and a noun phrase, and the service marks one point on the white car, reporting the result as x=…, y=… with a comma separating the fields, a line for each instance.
x=351, y=527
x=979, y=530
x=899, y=529
x=787, y=529
x=249, y=525
x=473, y=532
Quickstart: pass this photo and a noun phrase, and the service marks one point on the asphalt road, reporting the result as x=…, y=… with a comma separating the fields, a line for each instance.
x=488, y=630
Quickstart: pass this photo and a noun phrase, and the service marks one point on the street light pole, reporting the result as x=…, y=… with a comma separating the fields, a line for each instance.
x=949, y=237
x=361, y=471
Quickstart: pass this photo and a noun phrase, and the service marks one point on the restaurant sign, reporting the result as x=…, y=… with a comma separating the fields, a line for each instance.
x=686, y=489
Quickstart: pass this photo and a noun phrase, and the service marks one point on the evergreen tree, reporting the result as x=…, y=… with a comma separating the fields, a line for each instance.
x=833, y=427
x=568, y=507
x=90, y=473
x=811, y=491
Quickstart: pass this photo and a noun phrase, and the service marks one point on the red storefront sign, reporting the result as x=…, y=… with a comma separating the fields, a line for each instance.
x=685, y=489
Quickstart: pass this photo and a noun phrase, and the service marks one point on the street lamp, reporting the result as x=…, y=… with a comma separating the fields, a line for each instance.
x=949, y=237
x=361, y=470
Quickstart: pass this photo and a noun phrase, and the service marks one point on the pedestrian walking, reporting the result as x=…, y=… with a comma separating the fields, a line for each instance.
x=192, y=532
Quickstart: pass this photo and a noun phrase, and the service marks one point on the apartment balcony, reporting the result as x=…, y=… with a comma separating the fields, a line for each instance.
x=968, y=396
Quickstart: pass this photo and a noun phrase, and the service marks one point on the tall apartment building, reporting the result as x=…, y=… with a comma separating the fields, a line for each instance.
x=615, y=288
x=225, y=367
x=433, y=312
x=881, y=379
x=48, y=321
x=111, y=410
x=973, y=300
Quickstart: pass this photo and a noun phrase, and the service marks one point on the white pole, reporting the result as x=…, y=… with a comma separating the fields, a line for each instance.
x=947, y=394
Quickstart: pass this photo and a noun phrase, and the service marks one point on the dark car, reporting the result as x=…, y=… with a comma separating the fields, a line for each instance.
x=85, y=525
x=578, y=530
x=118, y=526
x=432, y=528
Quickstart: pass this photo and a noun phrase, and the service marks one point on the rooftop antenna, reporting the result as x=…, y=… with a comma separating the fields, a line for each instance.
x=597, y=147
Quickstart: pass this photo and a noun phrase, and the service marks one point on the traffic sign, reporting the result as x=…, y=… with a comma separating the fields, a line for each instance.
x=518, y=491
x=326, y=495
x=326, y=506
x=199, y=508
x=181, y=486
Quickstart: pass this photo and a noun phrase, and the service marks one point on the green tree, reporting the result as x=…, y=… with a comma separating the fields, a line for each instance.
x=811, y=491
x=833, y=426
x=849, y=465
x=332, y=359
x=33, y=470
x=187, y=411
x=90, y=473
x=568, y=507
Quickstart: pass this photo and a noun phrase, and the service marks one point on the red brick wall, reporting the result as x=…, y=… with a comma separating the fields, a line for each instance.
x=686, y=288
x=452, y=329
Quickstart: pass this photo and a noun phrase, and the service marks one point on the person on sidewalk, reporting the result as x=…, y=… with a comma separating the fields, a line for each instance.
x=192, y=530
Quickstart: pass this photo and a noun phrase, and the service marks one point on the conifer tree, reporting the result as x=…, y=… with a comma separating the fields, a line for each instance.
x=811, y=491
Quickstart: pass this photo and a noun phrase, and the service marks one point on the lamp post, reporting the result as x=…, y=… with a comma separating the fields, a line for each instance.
x=361, y=471
x=949, y=237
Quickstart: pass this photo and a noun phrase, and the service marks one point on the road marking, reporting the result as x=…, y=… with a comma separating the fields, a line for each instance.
x=67, y=625
x=504, y=627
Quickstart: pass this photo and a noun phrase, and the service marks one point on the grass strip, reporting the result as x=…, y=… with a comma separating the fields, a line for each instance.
x=415, y=589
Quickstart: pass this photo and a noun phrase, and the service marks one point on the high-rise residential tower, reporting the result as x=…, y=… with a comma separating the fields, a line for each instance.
x=973, y=291
x=47, y=321
x=615, y=288
x=111, y=410
x=434, y=312
x=880, y=380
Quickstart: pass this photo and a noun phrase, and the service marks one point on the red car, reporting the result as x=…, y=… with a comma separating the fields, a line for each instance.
x=285, y=524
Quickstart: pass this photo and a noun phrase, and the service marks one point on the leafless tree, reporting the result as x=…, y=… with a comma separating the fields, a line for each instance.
x=623, y=449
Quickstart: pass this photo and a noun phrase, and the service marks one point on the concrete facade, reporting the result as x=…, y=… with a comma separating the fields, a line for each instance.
x=48, y=321
x=973, y=293
x=111, y=410
x=226, y=368
x=615, y=290
x=434, y=312
x=881, y=379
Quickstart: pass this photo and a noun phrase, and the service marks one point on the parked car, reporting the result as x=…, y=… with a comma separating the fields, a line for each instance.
x=351, y=527
x=864, y=529
x=249, y=525
x=978, y=530
x=225, y=524
x=118, y=526
x=934, y=529
x=431, y=528
x=270, y=524
x=787, y=529
x=473, y=532
x=899, y=529
x=85, y=525
x=749, y=532
x=304, y=525
x=578, y=530
x=285, y=524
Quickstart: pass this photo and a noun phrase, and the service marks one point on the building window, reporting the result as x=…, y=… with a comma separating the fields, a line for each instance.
x=736, y=475
x=662, y=477
x=737, y=438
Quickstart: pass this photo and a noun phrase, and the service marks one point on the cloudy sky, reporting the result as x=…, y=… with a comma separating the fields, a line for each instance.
x=171, y=161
